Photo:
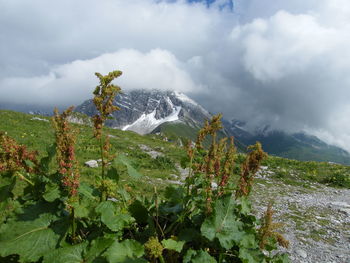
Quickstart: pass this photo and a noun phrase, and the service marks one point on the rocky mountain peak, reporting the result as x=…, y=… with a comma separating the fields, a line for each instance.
x=144, y=110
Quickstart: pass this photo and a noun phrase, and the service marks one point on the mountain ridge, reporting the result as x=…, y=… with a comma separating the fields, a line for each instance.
x=144, y=112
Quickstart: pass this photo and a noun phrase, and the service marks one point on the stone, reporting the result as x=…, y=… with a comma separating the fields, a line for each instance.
x=39, y=119
x=91, y=164
x=301, y=253
x=214, y=185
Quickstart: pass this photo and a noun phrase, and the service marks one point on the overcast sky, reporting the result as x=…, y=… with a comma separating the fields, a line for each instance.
x=285, y=63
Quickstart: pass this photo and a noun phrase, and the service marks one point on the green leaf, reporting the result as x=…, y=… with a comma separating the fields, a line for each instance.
x=251, y=256
x=173, y=245
x=113, y=174
x=193, y=256
x=52, y=192
x=87, y=190
x=122, y=159
x=249, y=241
x=139, y=212
x=124, y=251
x=280, y=258
x=29, y=239
x=223, y=224
x=113, y=221
x=244, y=205
x=70, y=254
x=45, y=161
x=7, y=184
x=97, y=248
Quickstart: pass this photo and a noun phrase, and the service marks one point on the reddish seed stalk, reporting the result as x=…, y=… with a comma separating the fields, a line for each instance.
x=65, y=141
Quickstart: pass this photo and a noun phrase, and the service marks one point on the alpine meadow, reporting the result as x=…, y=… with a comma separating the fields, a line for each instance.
x=175, y=131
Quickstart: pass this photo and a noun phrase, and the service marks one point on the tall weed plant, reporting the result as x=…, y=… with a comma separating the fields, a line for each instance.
x=54, y=217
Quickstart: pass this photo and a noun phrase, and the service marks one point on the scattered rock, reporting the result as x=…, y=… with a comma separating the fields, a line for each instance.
x=175, y=182
x=154, y=154
x=39, y=119
x=91, y=164
x=214, y=185
x=301, y=253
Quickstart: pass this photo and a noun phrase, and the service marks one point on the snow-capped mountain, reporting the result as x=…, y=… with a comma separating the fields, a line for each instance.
x=176, y=115
x=143, y=111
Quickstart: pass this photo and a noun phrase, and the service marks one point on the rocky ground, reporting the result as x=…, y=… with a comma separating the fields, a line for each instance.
x=316, y=217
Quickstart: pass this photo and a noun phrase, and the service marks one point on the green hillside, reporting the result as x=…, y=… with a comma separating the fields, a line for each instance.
x=179, y=130
x=38, y=135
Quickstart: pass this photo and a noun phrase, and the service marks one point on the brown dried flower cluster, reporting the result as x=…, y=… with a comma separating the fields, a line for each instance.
x=217, y=163
x=104, y=95
x=65, y=141
x=249, y=168
x=15, y=157
x=268, y=230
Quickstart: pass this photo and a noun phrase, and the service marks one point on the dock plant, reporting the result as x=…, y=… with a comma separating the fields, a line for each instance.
x=48, y=214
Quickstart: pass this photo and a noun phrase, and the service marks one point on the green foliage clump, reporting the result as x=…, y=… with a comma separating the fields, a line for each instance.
x=209, y=219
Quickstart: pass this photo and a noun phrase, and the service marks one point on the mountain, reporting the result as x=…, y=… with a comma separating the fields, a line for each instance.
x=300, y=146
x=175, y=115
x=143, y=111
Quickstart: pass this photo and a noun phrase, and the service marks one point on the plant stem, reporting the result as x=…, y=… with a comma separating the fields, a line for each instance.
x=189, y=182
x=22, y=177
x=74, y=227
x=103, y=192
x=161, y=259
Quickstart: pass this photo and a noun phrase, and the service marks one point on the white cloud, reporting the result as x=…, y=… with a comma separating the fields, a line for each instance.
x=279, y=62
x=72, y=83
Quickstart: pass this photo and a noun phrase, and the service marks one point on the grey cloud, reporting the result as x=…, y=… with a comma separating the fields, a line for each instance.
x=276, y=62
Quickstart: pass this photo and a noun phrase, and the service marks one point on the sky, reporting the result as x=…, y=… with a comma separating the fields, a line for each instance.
x=282, y=63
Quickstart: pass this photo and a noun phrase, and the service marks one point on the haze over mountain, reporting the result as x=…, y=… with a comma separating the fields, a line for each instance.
x=175, y=115
x=282, y=63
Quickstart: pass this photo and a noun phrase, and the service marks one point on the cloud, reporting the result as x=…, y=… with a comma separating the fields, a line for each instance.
x=74, y=82
x=273, y=62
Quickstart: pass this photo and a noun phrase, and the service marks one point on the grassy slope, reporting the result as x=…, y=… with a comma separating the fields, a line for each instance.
x=38, y=135
x=287, y=146
x=175, y=130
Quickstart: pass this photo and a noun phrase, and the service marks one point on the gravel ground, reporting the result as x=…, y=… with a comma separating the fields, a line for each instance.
x=316, y=218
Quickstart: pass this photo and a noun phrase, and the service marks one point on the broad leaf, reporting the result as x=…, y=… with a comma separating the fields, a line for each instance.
x=124, y=251
x=70, y=254
x=52, y=192
x=122, y=159
x=244, y=205
x=249, y=241
x=6, y=186
x=139, y=212
x=45, y=161
x=97, y=248
x=173, y=244
x=193, y=256
x=113, y=174
x=87, y=190
x=251, y=256
x=223, y=224
x=113, y=219
x=280, y=258
x=29, y=239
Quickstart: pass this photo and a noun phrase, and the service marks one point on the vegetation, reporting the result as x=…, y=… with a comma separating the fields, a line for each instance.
x=49, y=213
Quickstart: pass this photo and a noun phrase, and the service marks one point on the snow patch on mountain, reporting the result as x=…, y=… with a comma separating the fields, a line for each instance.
x=148, y=122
